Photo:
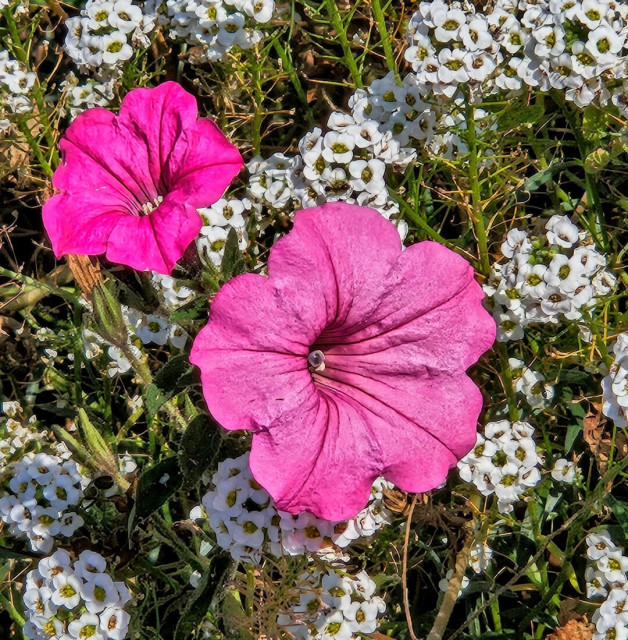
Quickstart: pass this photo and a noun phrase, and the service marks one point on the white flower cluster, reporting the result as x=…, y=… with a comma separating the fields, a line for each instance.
x=546, y=279
x=270, y=182
x=606, y=577
x=416, y=118
x=246, y=522
x=149, y=328
x=172, y=293
x=37, y=492
x=481, y=557
x=531, y=384
x=332, y=606
x=15, y=85
x=503, y=462
x=102, y=37
x=615, y=385
x=74, y=600
x=214, y=26
x=349, y=163
x=84, y=96
x=218, y=220
x=578, y=47
x=15, y=435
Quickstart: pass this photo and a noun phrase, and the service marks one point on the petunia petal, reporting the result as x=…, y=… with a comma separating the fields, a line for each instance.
x=158, y=239
x=300, y=462
x=253, y=355
x=96, y=157
x=203, y=164
x=331, y=248
x=158, y=117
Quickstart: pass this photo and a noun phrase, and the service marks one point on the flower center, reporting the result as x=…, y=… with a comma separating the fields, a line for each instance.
x=316, y=360
x=149, y=207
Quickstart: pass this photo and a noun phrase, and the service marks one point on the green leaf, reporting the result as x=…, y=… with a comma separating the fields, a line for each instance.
x=190, y=312
x=96, y=444
x=155, y=486
x=518, y=116
x=543, y=177
x=232, y=260
x=573, y=430
x=175, y=375
x=154, y=398
x=619, y=509
x=10, y=554
x=200, y=599
x=198, y=447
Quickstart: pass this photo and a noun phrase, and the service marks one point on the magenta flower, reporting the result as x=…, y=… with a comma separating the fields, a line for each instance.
x=348, y=362
x=130, y=184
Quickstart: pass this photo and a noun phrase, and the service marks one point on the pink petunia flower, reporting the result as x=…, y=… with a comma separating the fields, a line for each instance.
x=348, y=361
x=130, y=184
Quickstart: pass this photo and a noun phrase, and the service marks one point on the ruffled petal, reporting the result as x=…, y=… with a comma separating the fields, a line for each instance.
x=80, y=225
x=155, y=241
x=329, y=254
x=100, y=156
x=253, y=354
x=159, y=117
x=317, y=458
x=203, y=164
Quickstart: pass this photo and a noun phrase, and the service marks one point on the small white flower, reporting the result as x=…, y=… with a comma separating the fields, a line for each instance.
x=564, y=471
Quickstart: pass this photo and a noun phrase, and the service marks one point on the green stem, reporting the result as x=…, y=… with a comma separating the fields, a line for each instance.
x=477, y=213
x=22, y=56
x=143, y=371
x=258, y=116
x=509, y=386
x=165, y=530
x=380, y=20
x=597, y=225
x=62, y=275
x=294, y=77
x=34, y=145
x=13, y=612
x=341, y=32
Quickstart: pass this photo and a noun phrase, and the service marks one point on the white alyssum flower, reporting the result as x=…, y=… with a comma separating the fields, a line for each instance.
x=503, y=462
x=214, y=27
x=332, y=606
x=615, y=384
x=246, y=522
x=564, y=471
x=576, y=47
x=34, y=500
x=74, y=599
x=549, y=279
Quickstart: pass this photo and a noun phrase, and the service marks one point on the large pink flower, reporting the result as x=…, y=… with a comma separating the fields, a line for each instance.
x=394, y=330
x=130, y=184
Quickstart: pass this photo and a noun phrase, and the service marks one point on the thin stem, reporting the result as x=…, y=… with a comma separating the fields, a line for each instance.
x=22, y=56
x=477, y=210
x=449, y=600
x=35, y=148
x=380, y=20
x=509, y=386
x=404, y=569
x=13, y=612
x=170, y=538
x=294, y=77
x=143, y=371
x=341, y=32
